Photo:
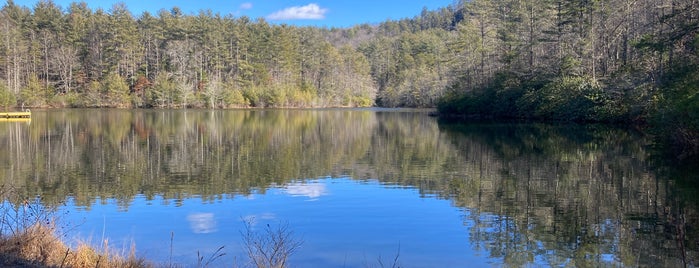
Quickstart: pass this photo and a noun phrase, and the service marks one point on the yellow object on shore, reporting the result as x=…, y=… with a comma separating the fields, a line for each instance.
x=15, y=115
x=15, y=119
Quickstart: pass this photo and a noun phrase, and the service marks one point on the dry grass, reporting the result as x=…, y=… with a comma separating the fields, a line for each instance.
x=29, y=238
x=39, y=246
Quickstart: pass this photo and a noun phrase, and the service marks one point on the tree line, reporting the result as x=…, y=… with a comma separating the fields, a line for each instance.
x=77, y=57
x=609, y=61
x=601, y=61
x=592, y=60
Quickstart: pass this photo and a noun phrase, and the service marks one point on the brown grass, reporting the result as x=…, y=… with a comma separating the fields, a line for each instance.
x=29, y=238
x=39, y=246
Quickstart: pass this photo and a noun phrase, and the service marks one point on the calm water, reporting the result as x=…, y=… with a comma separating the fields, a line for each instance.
x=358, y=188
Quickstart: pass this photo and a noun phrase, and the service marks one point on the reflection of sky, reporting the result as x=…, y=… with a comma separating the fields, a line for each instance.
x=202, y=223
x=310, y=190
x=254, y=219
x=352, y=227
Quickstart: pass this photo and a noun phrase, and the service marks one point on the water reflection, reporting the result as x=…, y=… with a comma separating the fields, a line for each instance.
x=311, y=190
x=529, y=194
x=202, y=223
x=570, y=195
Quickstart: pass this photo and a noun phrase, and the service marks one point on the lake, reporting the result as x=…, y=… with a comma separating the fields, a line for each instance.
x=354, y=188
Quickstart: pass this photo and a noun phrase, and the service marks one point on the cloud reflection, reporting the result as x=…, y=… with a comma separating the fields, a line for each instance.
x=312, y=191
x=202, y=223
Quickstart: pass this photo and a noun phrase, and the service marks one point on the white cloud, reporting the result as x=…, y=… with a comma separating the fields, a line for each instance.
x=310, y=11
x=245, y=6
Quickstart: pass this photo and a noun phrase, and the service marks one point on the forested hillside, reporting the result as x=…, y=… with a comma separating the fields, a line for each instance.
x=601, y=61
x=611, y=61
x=575, y=60
x=54, y=56
x=73, y=56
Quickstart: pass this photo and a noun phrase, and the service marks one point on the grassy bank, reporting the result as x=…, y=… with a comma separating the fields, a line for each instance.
x=40, y=246
x=31, y=237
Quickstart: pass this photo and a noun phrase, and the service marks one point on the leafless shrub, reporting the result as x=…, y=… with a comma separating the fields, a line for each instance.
x=270, y=247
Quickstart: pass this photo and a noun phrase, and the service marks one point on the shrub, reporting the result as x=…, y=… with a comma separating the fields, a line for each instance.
x=33, y=95
x=574, y=98
x=164, y=93
x=677, y=114
x=7, y=99
x=271, y=247
x=115, y=91
x=234, y=98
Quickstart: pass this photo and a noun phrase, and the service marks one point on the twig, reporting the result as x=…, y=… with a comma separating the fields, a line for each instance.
x=217, y=254
x=172, y=239
x=65, y=257
x=395, y=260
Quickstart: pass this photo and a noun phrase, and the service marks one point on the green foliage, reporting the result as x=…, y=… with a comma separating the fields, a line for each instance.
x=571, y=98
x=677, y=112
x=165, y=92
x=7, y=99
x=115, y=91
x=70, y=99
x=561, y=99
x=473, y=104
x=234, y=98
x=557, y=61
x=570, y=66
x=301, y=98
x=33, y=94
x=252, y=96
x=92, y=96
x=362, y=101
x=273, y=97
x=509, y=59
x=202, y=57
x=411, y=69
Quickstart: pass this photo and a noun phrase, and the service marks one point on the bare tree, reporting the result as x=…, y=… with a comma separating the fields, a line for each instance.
x=270, y=247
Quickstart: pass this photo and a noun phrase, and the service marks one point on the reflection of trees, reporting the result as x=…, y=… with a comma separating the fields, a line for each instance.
x=121, y=153
x=568, y=195
x=557, y=195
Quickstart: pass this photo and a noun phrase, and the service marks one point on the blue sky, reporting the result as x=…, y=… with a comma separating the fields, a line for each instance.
x=324, y=13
